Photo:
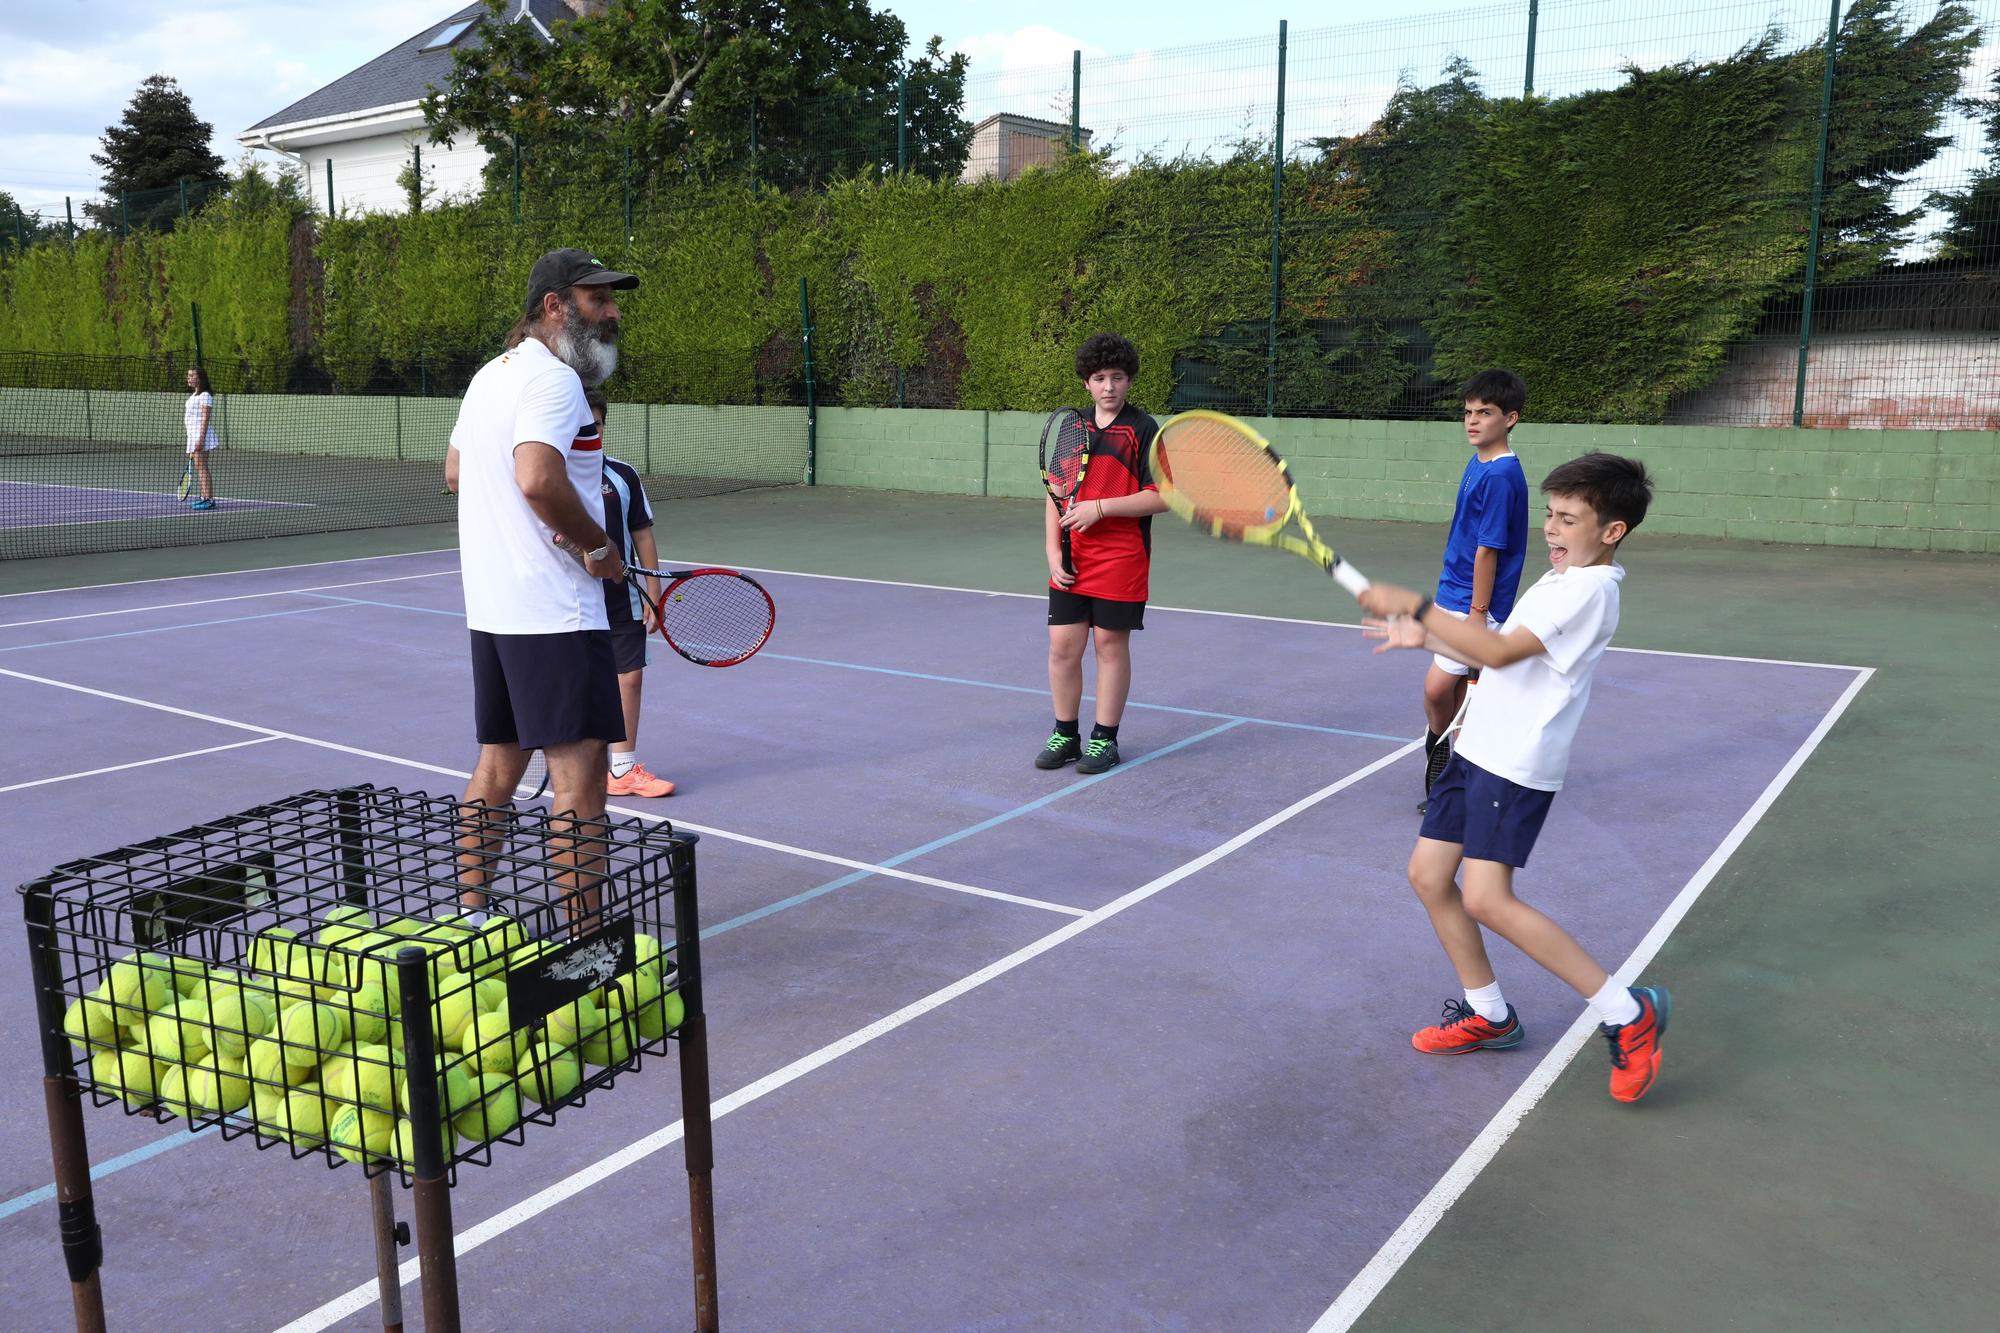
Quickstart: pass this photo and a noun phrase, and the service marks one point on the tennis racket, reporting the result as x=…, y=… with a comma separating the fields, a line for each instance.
x=187, y=479
x=713, y=617
x=1447, y=743
x=534, y=778
x=1065, y=460
x=1227, y=480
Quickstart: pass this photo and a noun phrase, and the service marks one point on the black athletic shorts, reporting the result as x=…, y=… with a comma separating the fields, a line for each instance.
x=1068, y=608
x=538, y=690
x=629, y=642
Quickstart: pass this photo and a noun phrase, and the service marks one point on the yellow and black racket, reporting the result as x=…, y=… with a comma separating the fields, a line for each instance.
x=187, y=479
x=1227, y=480
x=1065, y=458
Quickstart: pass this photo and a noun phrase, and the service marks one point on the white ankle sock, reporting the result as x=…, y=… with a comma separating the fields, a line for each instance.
x=1615, y=1005
x=1487, y=1003
x=622, y=761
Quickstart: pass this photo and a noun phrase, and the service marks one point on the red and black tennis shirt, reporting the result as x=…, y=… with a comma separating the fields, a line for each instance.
x=1114, y=557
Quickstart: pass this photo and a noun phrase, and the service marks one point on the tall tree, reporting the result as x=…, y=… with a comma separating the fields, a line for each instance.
x=684, y=85
x=1972, y=216
x=22, y=226
x=158, y=143
x=1892, y=86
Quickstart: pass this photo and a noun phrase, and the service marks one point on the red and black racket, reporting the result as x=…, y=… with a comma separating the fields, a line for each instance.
x=1065, y=460
x=713, y=617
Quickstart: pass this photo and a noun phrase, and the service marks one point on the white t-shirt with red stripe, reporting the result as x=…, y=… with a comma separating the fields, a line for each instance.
x=516, y=580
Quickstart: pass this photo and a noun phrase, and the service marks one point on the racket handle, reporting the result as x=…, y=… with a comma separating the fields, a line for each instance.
x=1348, y=577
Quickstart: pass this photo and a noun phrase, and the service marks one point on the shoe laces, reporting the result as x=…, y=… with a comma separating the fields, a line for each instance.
x=1456, y=1012
x=1058, y=741
x=1611, y=1035
x=1098, y=745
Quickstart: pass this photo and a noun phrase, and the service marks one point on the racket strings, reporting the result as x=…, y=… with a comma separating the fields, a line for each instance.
x=1066, y=456
x=715, y=617
x=1231, y=481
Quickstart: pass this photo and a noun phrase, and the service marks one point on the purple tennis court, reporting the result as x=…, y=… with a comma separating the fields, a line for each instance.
x=992, y=1047
x=28, y=504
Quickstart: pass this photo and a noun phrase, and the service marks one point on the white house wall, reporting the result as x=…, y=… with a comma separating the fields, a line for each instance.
x=365, y=170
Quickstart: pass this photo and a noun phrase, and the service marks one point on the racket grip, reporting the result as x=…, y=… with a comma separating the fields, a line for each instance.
x=1348, y=577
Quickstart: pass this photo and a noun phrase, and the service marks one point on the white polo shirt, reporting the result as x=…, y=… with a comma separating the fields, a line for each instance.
x=516, y=580
x=1523, y=716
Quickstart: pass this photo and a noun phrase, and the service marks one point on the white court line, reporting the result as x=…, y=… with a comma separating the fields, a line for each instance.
x=227, y=573
x=928, y=587
x=361, y=1297
x=137, y=763
x=1368, y=1283
x=273, y=733
x=211, y=601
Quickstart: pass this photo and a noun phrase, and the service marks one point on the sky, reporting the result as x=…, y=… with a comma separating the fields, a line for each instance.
x=68, y=67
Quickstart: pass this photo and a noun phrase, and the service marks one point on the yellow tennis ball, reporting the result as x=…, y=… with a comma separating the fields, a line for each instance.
x=217, y=1085
x=549, y=1073
x=570, y=1024
x=172, y=1091
x=374, y=1079
x=495, y=1110
x=369, y=1013
x=301, y=1117
x=270, y=1061
x=609, y=1045
x=360, y=1132
x=128, y=1073
x=312, y=1028
x=489, y=996
x=404, y=1143
x=135, y=986
x=92, y=1020
x=455, y=1090
x=645, y=952
x=493, y=1045
x=454, y=1015
x=661, y=1015
x=167, y=1039
x=339, y=925
x=236, y=1020
x=272, y=951
x=184, y=976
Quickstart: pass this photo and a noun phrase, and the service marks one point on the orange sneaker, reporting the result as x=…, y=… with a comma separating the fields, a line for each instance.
x=1464, y=1030
x=1635, y=1046
x=638, y=781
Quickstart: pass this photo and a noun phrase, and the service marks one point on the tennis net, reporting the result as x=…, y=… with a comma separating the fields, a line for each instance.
x=93, y=454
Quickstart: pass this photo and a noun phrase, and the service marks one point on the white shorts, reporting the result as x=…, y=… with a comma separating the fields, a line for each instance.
x=209, y=445
x=1448, y=665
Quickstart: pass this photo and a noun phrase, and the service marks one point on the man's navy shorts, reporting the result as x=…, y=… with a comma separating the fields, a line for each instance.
x=1492, y=818
x=538, y=690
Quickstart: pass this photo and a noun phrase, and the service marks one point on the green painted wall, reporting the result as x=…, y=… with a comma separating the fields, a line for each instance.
x=1910, y=490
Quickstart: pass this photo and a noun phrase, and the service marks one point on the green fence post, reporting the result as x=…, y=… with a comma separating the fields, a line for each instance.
x=812, y=421
x=417, y=168
x=1075, y=100
x=194, y=318
x=517, y=179
x=398, y=400
x=1277, y=234
x=423, y=376
x=69, y=221
x=902, y=123
x=20, y=231
x=329, y=184
x=1528, y=79
x=1818, y=200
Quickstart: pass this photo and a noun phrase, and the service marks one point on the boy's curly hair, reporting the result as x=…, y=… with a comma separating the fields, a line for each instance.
x=1106, y=351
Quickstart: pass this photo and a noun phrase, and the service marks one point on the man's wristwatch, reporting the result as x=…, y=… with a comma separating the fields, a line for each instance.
x=598, y=554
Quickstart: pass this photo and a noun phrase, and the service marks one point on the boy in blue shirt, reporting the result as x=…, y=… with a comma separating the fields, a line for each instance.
x=1484, y=551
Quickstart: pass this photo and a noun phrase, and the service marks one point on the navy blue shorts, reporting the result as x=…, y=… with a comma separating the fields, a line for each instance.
x=1491, y=818
x=1069, y=608
x=538, y=690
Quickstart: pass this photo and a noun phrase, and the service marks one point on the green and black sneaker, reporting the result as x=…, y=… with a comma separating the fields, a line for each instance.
x=1100, y=755
x=1060, y=750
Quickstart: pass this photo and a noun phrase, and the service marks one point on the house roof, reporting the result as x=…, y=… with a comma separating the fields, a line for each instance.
x=1034, y=122
x=406, y=71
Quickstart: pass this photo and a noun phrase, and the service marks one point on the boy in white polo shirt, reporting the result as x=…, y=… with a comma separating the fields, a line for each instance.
x=1513, y=750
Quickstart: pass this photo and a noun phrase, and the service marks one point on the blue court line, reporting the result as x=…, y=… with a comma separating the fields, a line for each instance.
x=22, y=1202
x=960, y=680
x=162, y=629
x=948, y=839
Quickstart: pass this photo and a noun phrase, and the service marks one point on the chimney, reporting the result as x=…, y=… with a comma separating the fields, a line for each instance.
x=586, y=9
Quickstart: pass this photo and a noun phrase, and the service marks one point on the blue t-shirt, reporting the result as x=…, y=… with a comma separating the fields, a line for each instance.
x=626, y=510
x=1492, y=511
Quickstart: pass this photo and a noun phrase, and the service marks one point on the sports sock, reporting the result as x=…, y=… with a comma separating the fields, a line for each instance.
x=1615, y=1005
x=622, y=761
x=1066, y=728
x=1487, y=1003
x=1102, y=732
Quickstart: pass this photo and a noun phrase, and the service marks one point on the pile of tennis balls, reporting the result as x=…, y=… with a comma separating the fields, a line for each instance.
x=307, y=1040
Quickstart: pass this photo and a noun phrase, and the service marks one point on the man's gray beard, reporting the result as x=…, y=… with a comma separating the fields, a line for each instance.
x=579, y=348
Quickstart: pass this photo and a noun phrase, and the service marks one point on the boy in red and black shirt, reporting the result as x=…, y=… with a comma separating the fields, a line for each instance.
x=1111, y=547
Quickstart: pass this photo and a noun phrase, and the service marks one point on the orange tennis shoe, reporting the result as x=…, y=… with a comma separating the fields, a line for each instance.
x=1635, y=1046
x=638, y=781
x=1464, y=1030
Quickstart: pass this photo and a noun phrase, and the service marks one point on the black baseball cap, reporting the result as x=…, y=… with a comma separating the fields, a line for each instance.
x=560, y=270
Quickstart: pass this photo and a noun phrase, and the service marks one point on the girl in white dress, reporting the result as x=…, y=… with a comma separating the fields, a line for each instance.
x=201, y=436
